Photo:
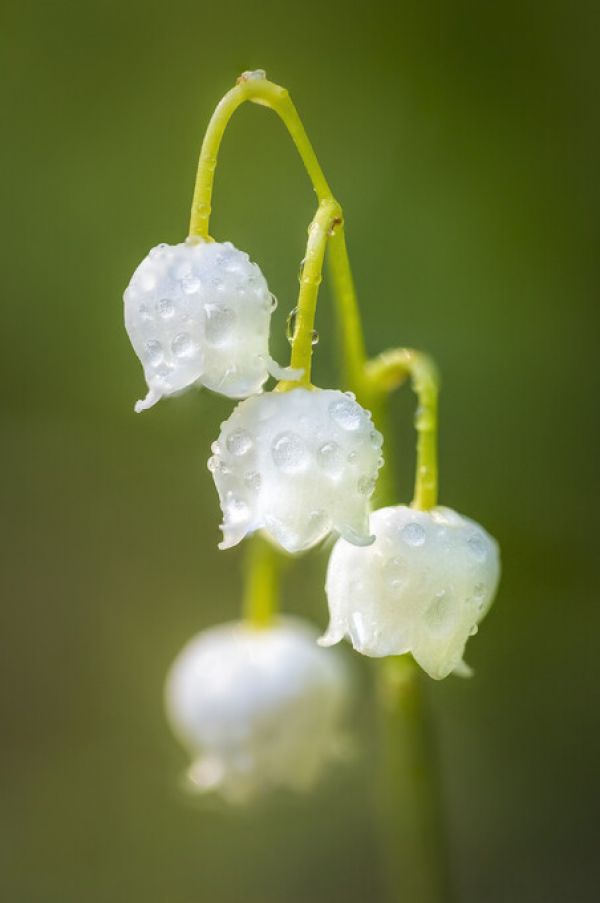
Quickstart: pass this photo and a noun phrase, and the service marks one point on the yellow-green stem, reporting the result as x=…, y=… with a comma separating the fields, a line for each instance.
x=261, y=581
x=261, y=91
x=386, y=372
x=325, y=221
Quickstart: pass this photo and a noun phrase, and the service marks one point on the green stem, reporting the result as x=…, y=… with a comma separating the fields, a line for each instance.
x=409, y=802
x=387, y=372
x=261, y=581
x=250, y=87
x=408, y=794
x=325, y=221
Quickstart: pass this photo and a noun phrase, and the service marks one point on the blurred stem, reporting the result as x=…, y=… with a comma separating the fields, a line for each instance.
x=409, y=806
x=410, y=813
x=261, y=581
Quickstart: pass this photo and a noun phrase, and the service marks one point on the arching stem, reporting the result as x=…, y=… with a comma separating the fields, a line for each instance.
x=388, y=371
x=251, y=86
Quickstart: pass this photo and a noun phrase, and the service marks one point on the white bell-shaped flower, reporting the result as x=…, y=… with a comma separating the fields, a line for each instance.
x=257, y=707
x=422, y=587
x=198, y=313
x=297, y=464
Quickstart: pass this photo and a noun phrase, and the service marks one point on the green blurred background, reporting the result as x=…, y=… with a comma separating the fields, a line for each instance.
x=462, y=139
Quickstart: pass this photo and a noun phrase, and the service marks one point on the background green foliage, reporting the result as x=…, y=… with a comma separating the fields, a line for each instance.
x=462, y=139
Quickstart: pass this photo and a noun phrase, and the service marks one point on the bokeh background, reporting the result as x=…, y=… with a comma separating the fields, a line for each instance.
x=462, y=139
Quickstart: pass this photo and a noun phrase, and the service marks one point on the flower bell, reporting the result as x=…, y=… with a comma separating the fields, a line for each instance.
x=198, y=313
x=422, y=587
x=257, y=707
x=297, y=464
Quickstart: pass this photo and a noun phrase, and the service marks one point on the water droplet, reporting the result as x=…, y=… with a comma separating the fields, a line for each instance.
x=239, y=442
x=474, y=629
x=314, y=338
x=479, y=594
x=219, y=324
x=301, y=269
x=352, y=457
x=217, y=466
x=166, y=308
x=154, y=352
x=182, y=345
x=366, y=485
x=289, y=452
x=253, y=480
x=273, y=301
x=144, y=312
x=413, y=534
x=395, y=573
x=290, y=325
x=190, y=283
x=330, y=459
x=477, y=547
x=236, y=510
x=439, y=614
x=346, y=413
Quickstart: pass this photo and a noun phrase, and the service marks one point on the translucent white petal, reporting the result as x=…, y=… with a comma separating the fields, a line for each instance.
x=297, y=464
x=422, y=587
x=257, y=707
x=198, y=313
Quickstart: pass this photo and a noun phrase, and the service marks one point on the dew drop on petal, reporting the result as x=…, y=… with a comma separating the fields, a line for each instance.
x=253, y=480
x=236, y=510
x=366, y=485
x=154, y=352
x=395, y=573
x=413, y=534
x=346, y=413
x=239, y=442
x=166, y=308
x=219, y=324
x=438, y=615
x=330, y=458
x=289, y=452
x=477, y=547
x=182, y=345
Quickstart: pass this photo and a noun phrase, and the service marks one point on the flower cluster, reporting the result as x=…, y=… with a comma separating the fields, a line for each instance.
x=260, y=704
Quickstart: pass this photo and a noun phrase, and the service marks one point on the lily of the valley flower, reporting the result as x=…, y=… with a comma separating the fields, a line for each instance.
x=257, y=707
x=297, y=464
x=198, y=313
x=422, y=587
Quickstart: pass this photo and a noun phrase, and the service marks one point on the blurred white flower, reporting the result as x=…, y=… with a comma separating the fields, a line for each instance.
x=198, y=313
x=297, y=464
x=257, y=707
x=422, y=587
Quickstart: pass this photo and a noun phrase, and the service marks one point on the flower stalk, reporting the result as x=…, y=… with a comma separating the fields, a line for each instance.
x=409, y=810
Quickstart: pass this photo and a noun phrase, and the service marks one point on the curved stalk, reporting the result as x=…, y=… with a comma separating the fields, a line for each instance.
x=256, y=88
x=388, y=371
